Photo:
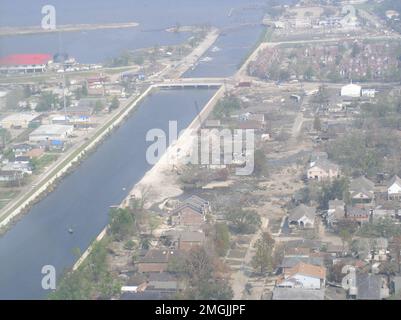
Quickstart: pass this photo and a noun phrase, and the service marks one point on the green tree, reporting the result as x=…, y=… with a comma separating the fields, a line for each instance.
x=47, y=101
x=263, y=258
x=260, y=164
x=243, y=221
x=317, y=125
x=122, y=223
x=221, y=238
x=115, y=103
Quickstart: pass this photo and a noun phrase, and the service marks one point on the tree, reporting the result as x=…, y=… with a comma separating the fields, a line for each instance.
x=260, y=164
x=98, y=106
x=122, y=223
x=243, y=221
x=346, y=237
x=47, y=101
x=221, y=238
x=226, y=106
x=317, y=125
x=202, y=281
x=5, y=136
x=115, y=103
x=263, y=258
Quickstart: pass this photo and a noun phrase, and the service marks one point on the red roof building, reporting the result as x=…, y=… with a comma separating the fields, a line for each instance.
x=24, y=62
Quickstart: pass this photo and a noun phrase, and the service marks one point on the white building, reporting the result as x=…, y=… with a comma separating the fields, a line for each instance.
x=369, y=93
x=351, y=90
x=303, y=275
x=18, y=120
x=394, y=188
x=51, y=132
x=323, y=169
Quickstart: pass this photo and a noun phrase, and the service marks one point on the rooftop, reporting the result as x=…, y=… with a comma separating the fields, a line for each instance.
x=25, y=59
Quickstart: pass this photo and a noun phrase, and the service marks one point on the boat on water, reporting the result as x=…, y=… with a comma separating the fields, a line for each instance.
x=206, y=59
x=215, y=49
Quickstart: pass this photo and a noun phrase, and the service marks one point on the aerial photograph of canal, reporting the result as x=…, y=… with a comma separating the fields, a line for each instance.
x=200, y=150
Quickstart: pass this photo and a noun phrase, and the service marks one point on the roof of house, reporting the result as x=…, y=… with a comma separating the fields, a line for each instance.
x=52, y=129
x=157, y=256
x=324, y=164
x=308, y=270
x=20, y=117
x=362, y=185
x=196, y=201
x=304, y=243
x=192, y=236
x=353, y=212
x=291, y=262
x=301, y=211
x=250, y=124
x=396, y=179
x=297, y=294
x=163, y=276
x=25, y=59
x=369, y=286
x=297, y=252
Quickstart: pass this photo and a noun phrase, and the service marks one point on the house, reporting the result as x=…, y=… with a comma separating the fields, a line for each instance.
x=358, y=214
x=369, y=93
x=136, y=283
x=362, y=190
x=164, y=281
x=306, y=276
x=192, y=212
x=186, y=215
x=336, y=212
x=251, y=125
x=323, y=170
x=302, y=216
x=11, y=176
x=185, y=239
x=297, y=294
x=290, y=262
x=370, y=287
x=190, y=239
x=394, y=188
x=199, y=203
x=51, y=132
x=22, y=160
x=155, y=260
x=84, y=108
x=19, y=167
x=351, y=90
x=22, y=148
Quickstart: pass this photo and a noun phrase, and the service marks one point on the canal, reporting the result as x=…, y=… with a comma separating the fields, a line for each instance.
x=82, y=200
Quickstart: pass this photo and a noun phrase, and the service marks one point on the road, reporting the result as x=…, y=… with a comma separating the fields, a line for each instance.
x=241, y=277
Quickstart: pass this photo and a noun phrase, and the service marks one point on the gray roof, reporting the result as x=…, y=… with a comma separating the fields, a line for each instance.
x=362, y=185
x=297, y=294
x=325, y=165
x=396, y=179
x=357, y=212
x=290, y=262
x=157, y=256
x=300, y=211
x=369, y=286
